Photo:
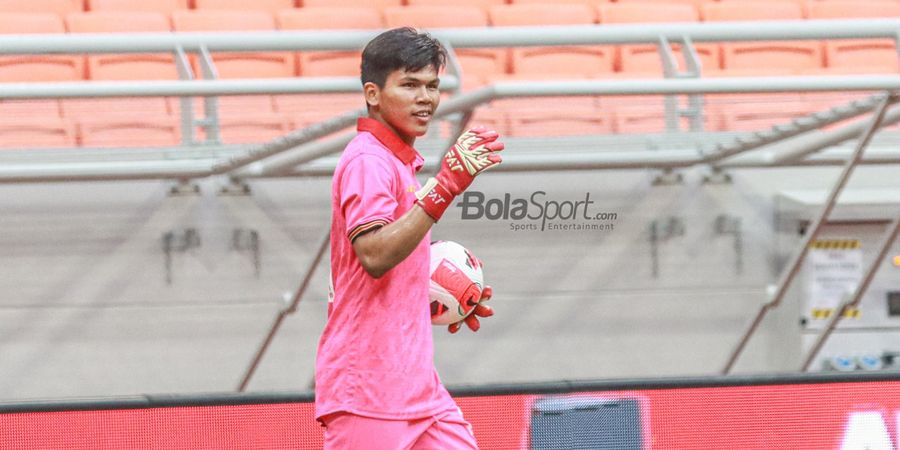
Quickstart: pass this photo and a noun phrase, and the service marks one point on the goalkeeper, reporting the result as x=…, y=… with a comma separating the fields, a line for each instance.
x=376, y=385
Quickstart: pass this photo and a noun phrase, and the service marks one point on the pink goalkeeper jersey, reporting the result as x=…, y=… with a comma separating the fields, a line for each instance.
x=376, y=356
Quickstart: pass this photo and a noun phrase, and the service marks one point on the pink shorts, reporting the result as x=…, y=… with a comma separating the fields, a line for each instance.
x=444, y=431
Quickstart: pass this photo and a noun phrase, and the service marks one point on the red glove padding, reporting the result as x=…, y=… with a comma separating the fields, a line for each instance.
x=481, y=310
x=474, y=152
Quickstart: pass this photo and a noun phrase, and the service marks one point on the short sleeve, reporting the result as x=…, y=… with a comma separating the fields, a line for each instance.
x=367, y=197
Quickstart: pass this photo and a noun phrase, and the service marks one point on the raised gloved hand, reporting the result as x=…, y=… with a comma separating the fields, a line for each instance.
x=481, y=310
x=475, y=151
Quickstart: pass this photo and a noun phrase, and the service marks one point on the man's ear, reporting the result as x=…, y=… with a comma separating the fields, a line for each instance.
x=372, y=93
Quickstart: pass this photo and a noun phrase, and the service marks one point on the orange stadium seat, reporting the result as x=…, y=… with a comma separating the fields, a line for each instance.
x=252, y=127
x=161, y=6
x=765, y=57
x=329, y=63
x=271, y=6
x=308, y=109
x=30, y=109
x=479, y=63
x=694, y=3
x=645, y=59
x=863, y=55
x=652, y=119
x=37, y=67
x=378, y=4
x=60, y=7
x=116, y=107
x=570, y=121
x=572, y=61
x=129, y=132
x=129, y=66
x=578, y=2
x=761, y=116
x=37, y=132
x=483, y=4
x=238, y=64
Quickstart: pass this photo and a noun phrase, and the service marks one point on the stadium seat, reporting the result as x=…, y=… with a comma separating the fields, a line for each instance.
x=59, y=7
x=759, y=116
x=751, y=10
x=15, y=68
x=129, y=132
x=492, y=118
x=481, y=63
x=271, y=6
x=695, y=3
x=483, y=4
x=575, y=61
x=562, y=122
x=252, y=127
x=863, y=55
x=576, y=2
x=770, y=56
x=160, y=6
x=30, y=109
x=308, y=109
x=115, y=107
x=238, y=64
x=645, y=59
x=329, y=63
x=377, y=4
x=37, y=132
x=631, y=119
x=127, y=66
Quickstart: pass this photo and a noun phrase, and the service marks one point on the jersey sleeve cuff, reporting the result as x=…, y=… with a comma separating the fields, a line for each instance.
x=365, y=227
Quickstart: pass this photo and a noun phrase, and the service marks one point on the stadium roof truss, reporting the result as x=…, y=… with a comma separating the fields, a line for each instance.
x=310, y=151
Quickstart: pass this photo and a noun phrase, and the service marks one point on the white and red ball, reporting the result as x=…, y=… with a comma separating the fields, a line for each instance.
x=456, y=282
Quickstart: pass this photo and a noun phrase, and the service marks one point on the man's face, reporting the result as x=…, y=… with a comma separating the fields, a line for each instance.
x=407, y=101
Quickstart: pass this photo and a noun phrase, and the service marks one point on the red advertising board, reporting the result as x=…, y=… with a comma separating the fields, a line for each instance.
x=840, y=415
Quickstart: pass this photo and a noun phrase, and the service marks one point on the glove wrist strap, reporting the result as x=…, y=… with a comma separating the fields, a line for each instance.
x=434, y=198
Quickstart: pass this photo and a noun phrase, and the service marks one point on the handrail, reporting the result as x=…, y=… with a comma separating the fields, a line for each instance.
x=457, y=37
x=793, y=268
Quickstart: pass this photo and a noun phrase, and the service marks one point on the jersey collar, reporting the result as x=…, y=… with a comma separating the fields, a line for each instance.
x=400, y=149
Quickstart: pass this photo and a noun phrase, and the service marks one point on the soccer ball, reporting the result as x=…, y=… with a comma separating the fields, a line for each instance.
x=456, y=282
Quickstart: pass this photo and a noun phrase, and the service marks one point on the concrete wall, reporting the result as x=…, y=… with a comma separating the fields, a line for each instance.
x=85, y=309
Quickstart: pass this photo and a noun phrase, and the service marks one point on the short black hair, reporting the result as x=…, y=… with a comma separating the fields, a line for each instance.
x=400, y=48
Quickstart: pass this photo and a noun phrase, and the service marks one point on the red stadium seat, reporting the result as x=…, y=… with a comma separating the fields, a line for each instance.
x=160, y=6
x=271, y=6
x=128, y=66
x=586, y=61
x=238, y=64
x=481, y=63
x=329, y=63
x=37, y=67
x=37, y=132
